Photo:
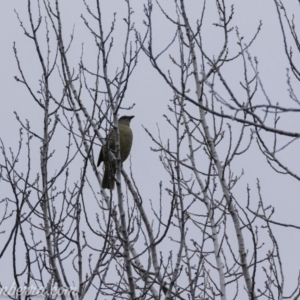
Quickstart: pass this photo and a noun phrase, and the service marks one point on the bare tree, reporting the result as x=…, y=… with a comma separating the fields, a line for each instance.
x=218, y=125
x=69, y=236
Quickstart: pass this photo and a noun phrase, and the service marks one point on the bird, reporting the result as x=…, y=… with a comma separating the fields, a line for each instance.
x=126, y=137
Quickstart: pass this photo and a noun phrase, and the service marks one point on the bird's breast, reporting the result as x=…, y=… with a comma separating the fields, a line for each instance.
x=126, y=138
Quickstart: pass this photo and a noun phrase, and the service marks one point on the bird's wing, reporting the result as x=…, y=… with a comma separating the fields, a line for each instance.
x=111, y=144
x=100, y=159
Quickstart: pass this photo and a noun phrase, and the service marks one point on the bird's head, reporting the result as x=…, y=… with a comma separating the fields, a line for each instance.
x=125, y=119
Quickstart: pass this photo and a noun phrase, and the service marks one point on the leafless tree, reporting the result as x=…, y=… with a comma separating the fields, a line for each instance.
x=66, y=233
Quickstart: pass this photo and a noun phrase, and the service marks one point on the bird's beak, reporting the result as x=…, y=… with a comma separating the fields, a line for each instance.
x=131, y=117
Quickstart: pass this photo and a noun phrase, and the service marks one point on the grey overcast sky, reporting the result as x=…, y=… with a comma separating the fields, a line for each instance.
x=151, y=95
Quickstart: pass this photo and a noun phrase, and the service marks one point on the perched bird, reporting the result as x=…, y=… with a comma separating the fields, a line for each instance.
x=125, y=147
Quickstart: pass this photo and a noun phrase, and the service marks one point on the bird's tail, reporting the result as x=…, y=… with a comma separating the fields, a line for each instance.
x=108, y=181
